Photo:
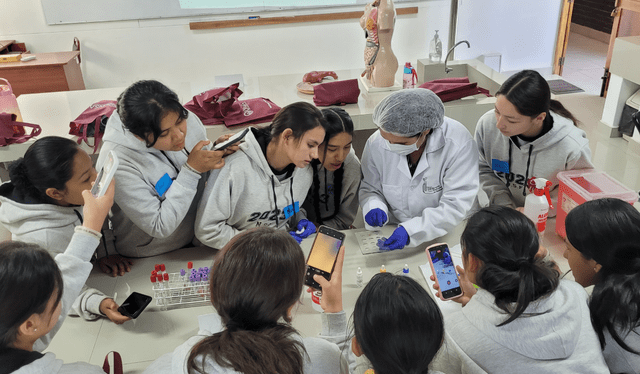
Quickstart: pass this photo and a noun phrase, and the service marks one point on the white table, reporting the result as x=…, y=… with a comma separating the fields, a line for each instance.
x=157, y=332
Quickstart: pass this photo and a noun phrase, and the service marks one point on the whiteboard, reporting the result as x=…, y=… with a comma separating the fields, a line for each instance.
x=85, y=11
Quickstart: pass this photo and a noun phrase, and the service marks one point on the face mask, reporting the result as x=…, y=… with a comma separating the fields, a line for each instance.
x=402, y=149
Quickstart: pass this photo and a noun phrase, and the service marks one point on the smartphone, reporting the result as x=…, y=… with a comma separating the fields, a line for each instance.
x=232, y=140
x=323, y=255
x=134, y=305
x=105, y=175
x=444, y=271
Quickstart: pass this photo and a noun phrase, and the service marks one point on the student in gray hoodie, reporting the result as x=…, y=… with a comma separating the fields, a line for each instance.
x=266, y=182
x=42, y=205
x=522, y=318
x=603, y=250
x=333, y=197
x=36, y=293
x=164, y=162
x=527, y=135
x=256, y=282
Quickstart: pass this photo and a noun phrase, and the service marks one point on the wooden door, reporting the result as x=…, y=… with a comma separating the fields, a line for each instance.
x=563, y=36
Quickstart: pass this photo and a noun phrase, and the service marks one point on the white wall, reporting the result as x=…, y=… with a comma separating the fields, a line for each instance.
x=119, y=53
x=524, y=32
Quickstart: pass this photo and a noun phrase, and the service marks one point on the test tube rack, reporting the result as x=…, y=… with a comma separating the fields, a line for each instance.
x=179, y=290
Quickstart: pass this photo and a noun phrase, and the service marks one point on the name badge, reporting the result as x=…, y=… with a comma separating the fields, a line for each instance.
x=290, y=210
x=163, y=184
x=497, y=165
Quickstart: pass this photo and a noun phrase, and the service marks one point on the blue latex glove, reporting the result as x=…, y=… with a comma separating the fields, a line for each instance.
x=398, y=239
x=296, y=236
x=305, y=228
x=376, y=217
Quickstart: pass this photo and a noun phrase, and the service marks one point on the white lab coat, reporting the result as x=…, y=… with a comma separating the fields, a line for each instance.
x=441, y=191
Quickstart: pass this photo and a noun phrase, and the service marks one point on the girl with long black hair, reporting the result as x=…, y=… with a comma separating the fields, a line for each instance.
x=333, y=197
x=603, y=250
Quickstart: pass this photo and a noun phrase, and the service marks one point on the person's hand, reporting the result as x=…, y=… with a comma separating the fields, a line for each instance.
x=520, y=209
x=230, y=149
x=203, y=160
x=95, y=210
x=305, y=228
x=468, y=290
x=398, y=239
x=376, y=217
x=115, y=265
x=331, y=301
x=295, y=236
x=109, y=308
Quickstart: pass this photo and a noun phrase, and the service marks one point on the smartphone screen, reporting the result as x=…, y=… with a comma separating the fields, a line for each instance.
x=323, y=254
x=445, y=271
x=134, y=304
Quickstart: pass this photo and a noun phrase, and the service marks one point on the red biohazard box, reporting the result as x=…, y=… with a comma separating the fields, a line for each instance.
x=578, y=186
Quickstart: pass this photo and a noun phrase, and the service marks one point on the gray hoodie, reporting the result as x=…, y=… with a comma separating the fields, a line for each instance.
x=564, y=147
x=51, y=227
x=245, y=193
x=75, y=267
x=619, y=359
x=560, y=339
x=146, y=223
x=328, y=354
x=348, y=197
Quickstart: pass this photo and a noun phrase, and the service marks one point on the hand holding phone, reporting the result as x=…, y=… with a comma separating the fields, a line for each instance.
x=232, y=140
x=323, y=255
x=105, y=175
x=134, y=305
x=444, y=271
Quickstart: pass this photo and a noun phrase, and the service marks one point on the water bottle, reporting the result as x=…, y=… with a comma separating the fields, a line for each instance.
x=316, y=297
x=359, y=278
x=409, y=77
x=537, y=203
x=435, y=48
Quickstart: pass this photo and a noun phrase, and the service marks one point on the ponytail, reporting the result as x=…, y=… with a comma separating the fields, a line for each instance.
x=557, y=107
x=506, y=241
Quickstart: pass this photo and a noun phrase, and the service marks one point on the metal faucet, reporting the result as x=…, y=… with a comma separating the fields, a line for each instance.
x=447, y=70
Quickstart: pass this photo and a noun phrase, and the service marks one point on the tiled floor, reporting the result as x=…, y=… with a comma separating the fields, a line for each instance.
x=584, y=62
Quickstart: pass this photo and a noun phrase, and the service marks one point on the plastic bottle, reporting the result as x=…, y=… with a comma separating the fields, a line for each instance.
x=383, y=269
x=405, y=270
x=359, y=278
x=435, y=48
x=316, y=297
x=409, y=77
x=537, y=203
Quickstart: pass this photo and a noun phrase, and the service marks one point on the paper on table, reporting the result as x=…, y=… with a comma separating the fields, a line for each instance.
x=445, y=306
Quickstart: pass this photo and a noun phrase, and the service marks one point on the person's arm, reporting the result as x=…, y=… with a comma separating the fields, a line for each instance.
x=349, y=200
x=370, y=194
x=496, y=189
x=216, y=207
x=74, y=262
x=460, y=187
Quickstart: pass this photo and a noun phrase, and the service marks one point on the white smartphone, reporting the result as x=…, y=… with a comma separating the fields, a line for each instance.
x=232, y=140
x=444, y=271
x=105, y=175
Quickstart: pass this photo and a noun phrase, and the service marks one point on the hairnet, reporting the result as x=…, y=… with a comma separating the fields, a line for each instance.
x=409, y=112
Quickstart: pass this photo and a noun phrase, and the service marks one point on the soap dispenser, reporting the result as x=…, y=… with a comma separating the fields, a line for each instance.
x=435, y=49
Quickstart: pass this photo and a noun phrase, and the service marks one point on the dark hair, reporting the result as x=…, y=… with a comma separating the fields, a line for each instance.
x=144, y=104
x=28, y=278
x=506, y=241
x=530, y=94
x=48, y=163
x=255, y=279
x=336, y=121
x=397, y=325
x=300, y=117
x=608, y=231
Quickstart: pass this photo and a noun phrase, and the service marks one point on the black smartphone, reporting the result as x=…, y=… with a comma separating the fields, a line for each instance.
x=231, y=141
x=323, y=255
x=134, y=305
x=444, y=271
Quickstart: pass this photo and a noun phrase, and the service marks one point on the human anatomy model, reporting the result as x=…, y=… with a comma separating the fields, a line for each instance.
x=381, y=64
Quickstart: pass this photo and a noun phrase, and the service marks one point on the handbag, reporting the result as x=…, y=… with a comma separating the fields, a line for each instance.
x=8, y=133
x=92, y=122
x=336, y=93
x=221, y=105
x=117, y=364
x=9, y=104
x=449, y=89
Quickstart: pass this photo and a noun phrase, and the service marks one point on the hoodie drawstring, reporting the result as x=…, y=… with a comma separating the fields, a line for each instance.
x=104, y=241
x=526, y=175
x=509, y=165
x=275, y=199
x=79, y=216
x=326, y=191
